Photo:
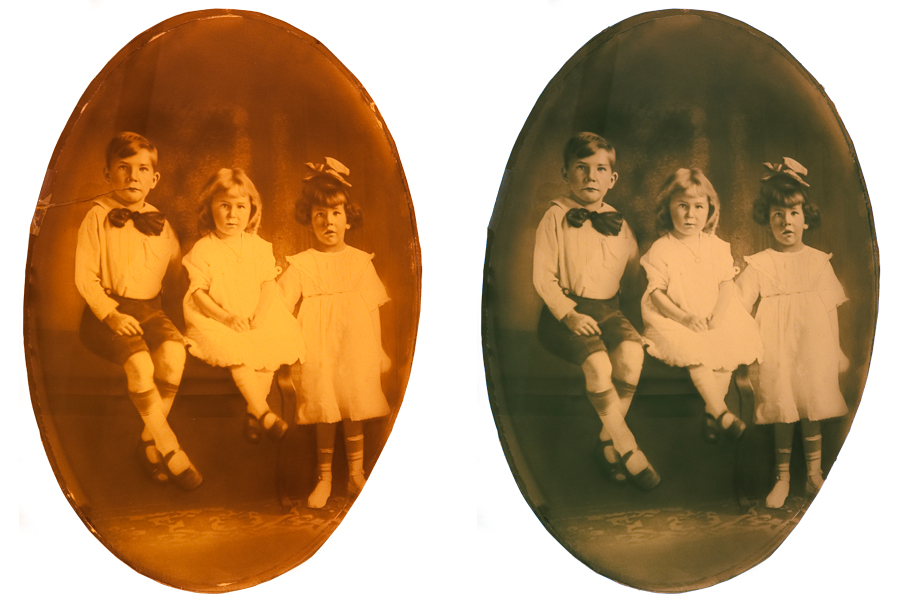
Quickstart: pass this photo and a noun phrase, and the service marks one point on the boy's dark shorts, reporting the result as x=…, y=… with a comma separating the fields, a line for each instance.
x=615, y=328
x=101, y=340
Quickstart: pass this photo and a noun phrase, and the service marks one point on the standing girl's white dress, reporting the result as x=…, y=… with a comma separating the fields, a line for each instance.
x=691, y=280
x=232, y=278
x=341, y=378
x=797, y=290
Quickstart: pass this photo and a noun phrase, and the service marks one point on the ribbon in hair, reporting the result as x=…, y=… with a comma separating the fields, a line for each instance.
x=148, y=223
x=790, y=168
x=332, y=168
x=607, y=223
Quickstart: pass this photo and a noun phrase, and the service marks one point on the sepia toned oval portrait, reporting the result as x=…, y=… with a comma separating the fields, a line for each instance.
x=221, y=303
x=680, y=295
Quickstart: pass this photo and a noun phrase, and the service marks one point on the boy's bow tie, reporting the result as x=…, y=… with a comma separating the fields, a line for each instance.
x=148, y=223
x=607, y=223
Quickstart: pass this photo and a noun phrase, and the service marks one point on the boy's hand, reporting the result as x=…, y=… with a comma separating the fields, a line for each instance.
x=385, y=362
x=580, y=324
x=238, y=324
x=122, y=324
x=694, y=323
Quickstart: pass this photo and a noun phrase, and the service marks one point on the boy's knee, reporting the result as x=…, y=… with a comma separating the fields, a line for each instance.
x=139, y=371
x=628, y=360
x=169, y=358
x=597, y=368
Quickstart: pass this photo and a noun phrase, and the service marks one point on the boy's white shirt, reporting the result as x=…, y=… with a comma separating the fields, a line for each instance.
x=120, y=260
x=579, y=259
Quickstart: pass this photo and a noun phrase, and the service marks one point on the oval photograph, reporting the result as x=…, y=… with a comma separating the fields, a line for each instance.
x=222, y=296
x=681, y=287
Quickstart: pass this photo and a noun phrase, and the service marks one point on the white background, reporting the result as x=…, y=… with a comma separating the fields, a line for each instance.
x=441, y=515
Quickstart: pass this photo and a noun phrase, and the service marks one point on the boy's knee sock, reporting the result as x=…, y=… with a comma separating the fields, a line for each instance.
x=149, y=405
x=167, y=392
x=607, y=406
x=626, y=393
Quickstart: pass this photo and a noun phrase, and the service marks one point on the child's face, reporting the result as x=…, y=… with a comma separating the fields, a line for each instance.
x=329, y=223
x=787, y=224
x=231, y=212
x=132, y=178
x=589, y=178
x=690, y=211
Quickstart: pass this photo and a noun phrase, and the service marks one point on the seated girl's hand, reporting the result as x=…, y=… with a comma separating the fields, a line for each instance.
x=713, y=322
x=580, y=324
x=238, y=324
x=694, y=323
x=385, y=362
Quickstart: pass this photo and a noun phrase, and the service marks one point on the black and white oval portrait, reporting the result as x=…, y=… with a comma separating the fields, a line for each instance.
x=221, y=299
x=680, y=295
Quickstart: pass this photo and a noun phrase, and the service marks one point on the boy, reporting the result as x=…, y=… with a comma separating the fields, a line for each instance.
x=125, y=248
x=582, y=250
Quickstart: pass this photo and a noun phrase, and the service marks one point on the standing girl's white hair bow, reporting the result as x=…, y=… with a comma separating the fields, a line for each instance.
x=332, y=168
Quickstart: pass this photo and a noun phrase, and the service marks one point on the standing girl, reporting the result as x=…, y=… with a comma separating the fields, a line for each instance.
x=798, y=298
x=691, y=315
x=232, y=320
x=339, y=316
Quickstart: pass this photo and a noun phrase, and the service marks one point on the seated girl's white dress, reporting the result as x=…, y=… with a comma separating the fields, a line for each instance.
x=232, y=277
x=796, y=291
x=691, y=279
x=338, y=293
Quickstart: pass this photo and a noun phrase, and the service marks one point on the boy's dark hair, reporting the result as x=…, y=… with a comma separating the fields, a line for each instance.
x=127, y=144
x=324, y=190
x=786, y=192
x=683, y=181
x=584, y=144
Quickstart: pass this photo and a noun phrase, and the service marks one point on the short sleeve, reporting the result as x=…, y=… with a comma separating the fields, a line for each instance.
x=724, y=261
x=290, y=287
x=657, y=268
x=198, y=267
x=748, y=287
x=371, y=288
x=830, y=289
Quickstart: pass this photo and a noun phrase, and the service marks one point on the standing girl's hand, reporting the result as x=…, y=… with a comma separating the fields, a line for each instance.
x=694, y=323
x=385, y=362
x=580, y=324
x=238, y=324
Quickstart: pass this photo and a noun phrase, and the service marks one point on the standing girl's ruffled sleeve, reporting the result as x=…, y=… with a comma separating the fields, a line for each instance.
x=290, y=285
x=371, y=287
x=198, y=267
x=657, y=268
x=830, y=289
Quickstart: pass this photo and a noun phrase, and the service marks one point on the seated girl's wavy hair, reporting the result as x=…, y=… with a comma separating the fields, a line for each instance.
x=683, y=181
x=226, y=180
x=325, y=190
